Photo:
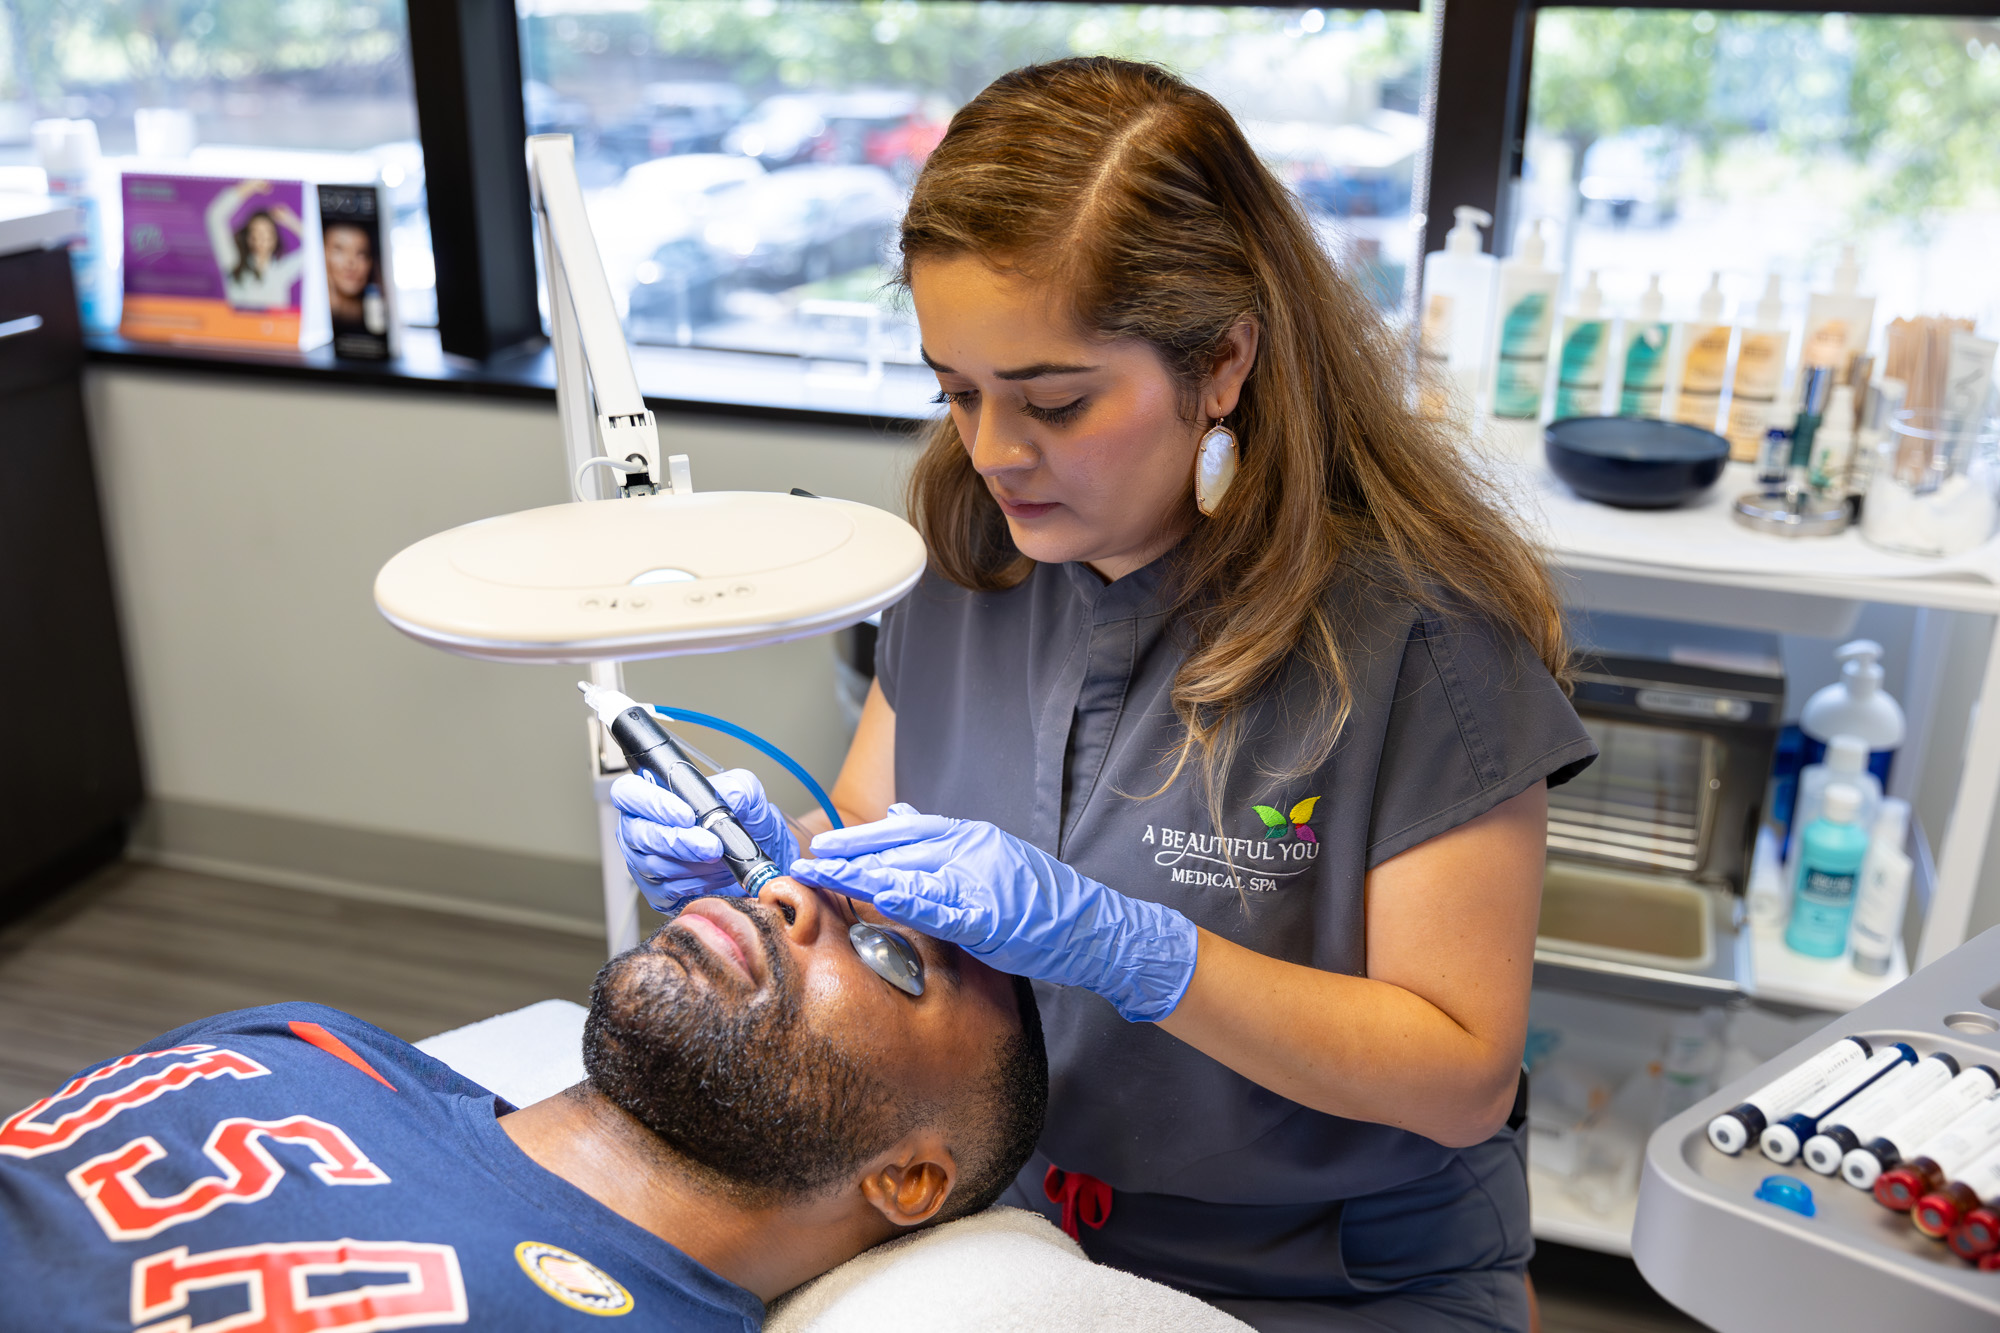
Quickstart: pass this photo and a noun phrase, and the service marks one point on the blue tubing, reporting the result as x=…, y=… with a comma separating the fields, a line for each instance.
x=791, y=765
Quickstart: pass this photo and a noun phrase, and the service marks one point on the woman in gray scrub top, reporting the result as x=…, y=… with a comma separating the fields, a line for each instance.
x=1227, y=711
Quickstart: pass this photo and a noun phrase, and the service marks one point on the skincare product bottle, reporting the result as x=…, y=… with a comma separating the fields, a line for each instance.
x=1774, y=454
x=1521, y=347
x=1458, y=308
x=1837, y=322
x=1884, y=891
x=1833, y=444
x=1586, y=337
x=1703, y=358
x=1856, y=705
x=68, y=153
x=1846, y=761
x=1641, y=386
x=1830, y=854
x=1760, y=368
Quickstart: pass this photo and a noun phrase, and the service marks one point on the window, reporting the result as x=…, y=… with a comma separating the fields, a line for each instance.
x=1683, y=142
x=274, y=88
x=746, y=162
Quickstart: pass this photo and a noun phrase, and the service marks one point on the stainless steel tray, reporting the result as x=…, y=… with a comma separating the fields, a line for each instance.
x=1737, y=1263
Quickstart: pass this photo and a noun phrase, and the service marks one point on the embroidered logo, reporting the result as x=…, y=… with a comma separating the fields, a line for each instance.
x=1277, y=825
x=571, y=1279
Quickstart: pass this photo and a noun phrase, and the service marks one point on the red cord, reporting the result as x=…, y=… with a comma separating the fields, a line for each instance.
x=1084, y=1199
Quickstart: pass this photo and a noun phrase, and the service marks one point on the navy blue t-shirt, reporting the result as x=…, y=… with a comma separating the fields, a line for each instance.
x=290, y=1168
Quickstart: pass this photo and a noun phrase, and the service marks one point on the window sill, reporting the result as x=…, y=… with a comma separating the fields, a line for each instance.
x=676, y=380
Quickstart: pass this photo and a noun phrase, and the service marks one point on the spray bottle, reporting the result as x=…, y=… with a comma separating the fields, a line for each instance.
x=1645, y=378
x=69, y=155
x=1527, y=308
x=1458, y=307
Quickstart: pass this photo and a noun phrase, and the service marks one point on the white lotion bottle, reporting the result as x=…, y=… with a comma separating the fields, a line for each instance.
x=1581, y=353
x=1857, y=705
x=1527, y=307
x=1458, y=308
x=1837, y=322
x=1760, y=370
x=1643, y=385
x=1701, y=360
x=1883, y=893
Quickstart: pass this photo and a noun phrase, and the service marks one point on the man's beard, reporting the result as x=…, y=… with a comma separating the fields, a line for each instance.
x=745, y=1090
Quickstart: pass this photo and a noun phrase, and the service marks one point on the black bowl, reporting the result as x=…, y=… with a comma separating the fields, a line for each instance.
x=1634, y=463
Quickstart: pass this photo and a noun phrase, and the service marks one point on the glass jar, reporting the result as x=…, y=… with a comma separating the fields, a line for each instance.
x=1933, y=490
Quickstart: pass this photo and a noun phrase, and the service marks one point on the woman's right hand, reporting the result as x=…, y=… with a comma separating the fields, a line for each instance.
x=671, y=858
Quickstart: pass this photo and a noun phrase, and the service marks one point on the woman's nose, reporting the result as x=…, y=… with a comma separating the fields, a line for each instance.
x=995, y=449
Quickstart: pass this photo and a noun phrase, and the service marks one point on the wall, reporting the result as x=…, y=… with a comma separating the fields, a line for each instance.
x=247, y=520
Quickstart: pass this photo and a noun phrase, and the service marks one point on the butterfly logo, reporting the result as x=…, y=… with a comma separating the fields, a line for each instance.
x=1277, y=825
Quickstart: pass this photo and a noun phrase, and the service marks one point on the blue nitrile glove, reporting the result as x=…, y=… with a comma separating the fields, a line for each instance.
x=1013, y=905
x=671, y=858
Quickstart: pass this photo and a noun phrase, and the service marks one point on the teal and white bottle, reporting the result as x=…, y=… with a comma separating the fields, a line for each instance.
x=1830, y=856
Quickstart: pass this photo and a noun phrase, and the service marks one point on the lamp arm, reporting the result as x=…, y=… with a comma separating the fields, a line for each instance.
x=593, y=363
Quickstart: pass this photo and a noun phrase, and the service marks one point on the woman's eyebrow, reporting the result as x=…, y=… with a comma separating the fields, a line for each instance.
x=1036, y=371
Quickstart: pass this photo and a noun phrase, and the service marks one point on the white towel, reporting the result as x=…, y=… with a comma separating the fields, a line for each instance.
x=994, y=1272
x=524, y=1056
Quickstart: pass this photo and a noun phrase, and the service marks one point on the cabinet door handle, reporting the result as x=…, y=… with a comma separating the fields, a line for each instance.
x=10, y=328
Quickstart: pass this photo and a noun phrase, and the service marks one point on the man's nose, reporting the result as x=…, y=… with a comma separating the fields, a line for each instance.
x=809, y=910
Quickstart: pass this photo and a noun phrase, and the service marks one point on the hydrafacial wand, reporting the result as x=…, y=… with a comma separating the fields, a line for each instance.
x=650, y=750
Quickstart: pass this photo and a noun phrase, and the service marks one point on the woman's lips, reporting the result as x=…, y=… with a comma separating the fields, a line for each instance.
x=721, y=936
x=1023, y=509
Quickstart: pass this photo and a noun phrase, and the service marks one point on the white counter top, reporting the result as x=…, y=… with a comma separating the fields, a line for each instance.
x=31, y=222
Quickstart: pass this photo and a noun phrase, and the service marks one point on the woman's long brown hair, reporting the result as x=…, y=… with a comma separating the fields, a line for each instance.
x=1137, y=196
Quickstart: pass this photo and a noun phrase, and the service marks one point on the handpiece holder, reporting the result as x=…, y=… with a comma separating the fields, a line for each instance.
x=597, y=394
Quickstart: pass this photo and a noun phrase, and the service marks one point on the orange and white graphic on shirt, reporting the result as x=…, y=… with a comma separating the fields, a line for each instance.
x=425, y=1287
x=21, y=1135
x=109, y=1186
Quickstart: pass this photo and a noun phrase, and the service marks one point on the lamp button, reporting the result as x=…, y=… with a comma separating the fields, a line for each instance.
x=697, y=598
x=637, y=603
x=741, y=590
x=592, y=603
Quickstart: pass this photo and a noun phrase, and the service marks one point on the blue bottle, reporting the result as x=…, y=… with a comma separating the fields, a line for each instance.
x=1830, y=856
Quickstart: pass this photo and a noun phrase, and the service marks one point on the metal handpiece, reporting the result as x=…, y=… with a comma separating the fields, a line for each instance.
x=650, y=749
x=889, y=956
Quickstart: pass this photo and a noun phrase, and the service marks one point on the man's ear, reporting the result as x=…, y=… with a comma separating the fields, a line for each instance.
x=909, y=1183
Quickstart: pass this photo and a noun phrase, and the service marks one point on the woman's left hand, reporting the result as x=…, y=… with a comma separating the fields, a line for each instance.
x=1011, y=904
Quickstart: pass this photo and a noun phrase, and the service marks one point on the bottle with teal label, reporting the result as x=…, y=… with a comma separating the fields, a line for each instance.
x=1644, y=383
x=1830, y=856
x=1586, y=335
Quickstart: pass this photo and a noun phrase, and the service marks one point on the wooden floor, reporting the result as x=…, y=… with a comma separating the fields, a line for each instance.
x=138, y=950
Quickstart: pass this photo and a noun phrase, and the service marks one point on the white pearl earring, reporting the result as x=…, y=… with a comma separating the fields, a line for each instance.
x=1214, y=467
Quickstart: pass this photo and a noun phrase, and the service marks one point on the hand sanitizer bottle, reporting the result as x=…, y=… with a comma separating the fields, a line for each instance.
x=1458, y=308
x=1830, y=856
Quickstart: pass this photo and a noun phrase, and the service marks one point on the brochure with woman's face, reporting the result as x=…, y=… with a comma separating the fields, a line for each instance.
x=357, y=290
x=211, y=259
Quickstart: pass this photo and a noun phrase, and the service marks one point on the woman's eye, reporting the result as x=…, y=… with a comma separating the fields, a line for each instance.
x=1056, y=416
x=956, y=398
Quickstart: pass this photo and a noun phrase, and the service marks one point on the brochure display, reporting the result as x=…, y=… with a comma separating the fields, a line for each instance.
x=1709, y=1238
x=357, y=263
x=214, y=260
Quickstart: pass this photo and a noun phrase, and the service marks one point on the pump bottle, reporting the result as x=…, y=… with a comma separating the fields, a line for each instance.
x=1760, y=368
x=1837, y=322
x=1521, y=345
x=1644, y=381
x=1830, y=854
x=1703, y=360
x=1846, y=761
x=1856, y=705
x=1458, y=308
x=1586, y=338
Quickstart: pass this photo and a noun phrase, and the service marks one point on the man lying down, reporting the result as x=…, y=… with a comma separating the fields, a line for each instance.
x=759, y=1108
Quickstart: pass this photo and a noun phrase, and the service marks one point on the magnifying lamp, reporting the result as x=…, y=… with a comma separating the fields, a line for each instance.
x=652, y=568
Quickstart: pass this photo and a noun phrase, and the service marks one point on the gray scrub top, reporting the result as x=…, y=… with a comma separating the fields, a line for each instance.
x=1046, y=710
